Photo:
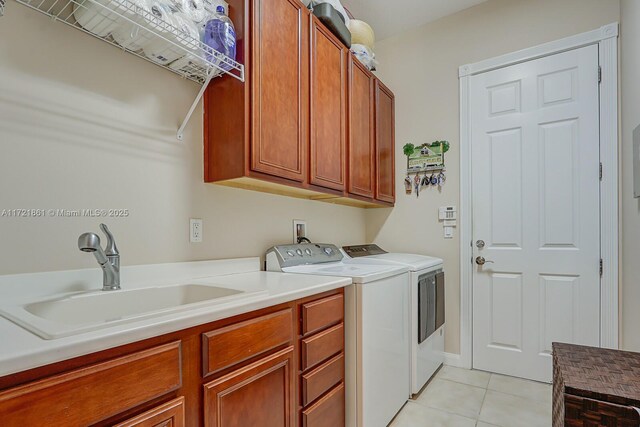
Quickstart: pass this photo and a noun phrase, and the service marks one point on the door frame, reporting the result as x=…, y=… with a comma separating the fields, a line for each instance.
x=606, y=38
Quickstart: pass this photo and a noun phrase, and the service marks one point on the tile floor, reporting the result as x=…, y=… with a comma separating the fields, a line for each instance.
x=462, y=398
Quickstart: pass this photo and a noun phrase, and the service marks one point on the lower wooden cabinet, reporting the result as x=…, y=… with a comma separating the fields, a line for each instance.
x=256, y=395
x=237, y=372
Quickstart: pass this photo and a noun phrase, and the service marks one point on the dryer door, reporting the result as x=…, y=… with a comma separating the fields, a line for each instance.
x=426, y=306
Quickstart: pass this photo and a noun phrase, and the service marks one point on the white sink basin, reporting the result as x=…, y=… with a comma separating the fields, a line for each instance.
x=83, y=312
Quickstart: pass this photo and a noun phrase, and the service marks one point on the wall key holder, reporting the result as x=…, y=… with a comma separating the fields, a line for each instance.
x=425, y=158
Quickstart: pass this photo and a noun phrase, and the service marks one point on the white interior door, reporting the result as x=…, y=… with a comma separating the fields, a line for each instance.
x=536, y=207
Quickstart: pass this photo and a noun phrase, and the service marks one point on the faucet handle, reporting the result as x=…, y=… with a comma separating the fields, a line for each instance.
x=111, y=249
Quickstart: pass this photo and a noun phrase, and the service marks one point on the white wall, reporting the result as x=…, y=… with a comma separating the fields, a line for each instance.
x=421, y=67
x=630, y=254
x=84, y=125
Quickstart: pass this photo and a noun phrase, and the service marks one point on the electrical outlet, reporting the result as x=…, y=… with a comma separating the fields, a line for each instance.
x=299, y=229
x=195, y=230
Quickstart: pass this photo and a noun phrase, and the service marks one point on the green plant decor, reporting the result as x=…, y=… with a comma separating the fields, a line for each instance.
x=408, y=149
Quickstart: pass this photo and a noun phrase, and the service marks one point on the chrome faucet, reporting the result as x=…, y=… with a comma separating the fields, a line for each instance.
x=109, y=259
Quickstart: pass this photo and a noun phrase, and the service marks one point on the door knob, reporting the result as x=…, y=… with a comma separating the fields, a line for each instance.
x=481, y=261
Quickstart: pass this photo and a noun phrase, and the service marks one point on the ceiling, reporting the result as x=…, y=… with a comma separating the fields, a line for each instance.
x=389, y=17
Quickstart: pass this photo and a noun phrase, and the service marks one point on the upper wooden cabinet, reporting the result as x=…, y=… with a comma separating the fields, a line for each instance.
x=328, y=142
x=280, y=89
x=385, y=143
x=303, y=123
x=361, y=131
x=259, y=129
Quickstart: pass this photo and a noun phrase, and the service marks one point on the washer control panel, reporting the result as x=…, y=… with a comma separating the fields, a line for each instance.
x=305, y=253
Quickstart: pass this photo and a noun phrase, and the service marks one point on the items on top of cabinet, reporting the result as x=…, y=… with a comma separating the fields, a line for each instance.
x=362, y=33
x=334, y=22
x=365, y=55
x=336, y=4
x=363, y=41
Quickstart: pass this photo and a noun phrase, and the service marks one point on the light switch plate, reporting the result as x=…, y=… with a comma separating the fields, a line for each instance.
x=195, y=230
x=448, y=232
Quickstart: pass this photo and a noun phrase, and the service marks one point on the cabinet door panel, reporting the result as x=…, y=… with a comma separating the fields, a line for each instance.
x=257, y=395
x=328, y=108
x=361, y=131
x=280, y=103
x=385, y=144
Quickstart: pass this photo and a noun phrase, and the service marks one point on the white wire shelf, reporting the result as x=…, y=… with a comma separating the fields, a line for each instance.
x=146, y=30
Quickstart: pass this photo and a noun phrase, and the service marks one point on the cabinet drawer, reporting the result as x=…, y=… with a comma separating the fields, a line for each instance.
x=322, y=313
x=322, y=379
x=171, y=414
x=92, y=394
x=233, y=344
x=319, y=347
x=326, y=412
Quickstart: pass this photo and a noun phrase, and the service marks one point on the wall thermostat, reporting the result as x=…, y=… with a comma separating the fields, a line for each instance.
x=447, y=212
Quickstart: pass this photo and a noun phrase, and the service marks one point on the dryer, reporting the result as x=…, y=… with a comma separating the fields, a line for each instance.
x=427, y=306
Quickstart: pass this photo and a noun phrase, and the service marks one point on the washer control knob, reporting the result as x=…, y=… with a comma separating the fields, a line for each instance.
x=291, y=253
x=328, y=251
x=308, y=251
x=299, y=252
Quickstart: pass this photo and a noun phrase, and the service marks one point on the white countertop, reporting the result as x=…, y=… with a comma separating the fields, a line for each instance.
x=21, y=350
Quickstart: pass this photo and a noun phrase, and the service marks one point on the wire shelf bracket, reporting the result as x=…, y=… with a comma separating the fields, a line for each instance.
x=180, y=134
x=148, y=36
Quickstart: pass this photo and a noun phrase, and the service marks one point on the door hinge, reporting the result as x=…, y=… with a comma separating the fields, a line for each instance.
x=599, y=74
x=601, y=267
x=600, y=171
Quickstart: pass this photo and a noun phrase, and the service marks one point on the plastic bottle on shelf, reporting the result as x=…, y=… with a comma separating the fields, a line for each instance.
x=220, y=35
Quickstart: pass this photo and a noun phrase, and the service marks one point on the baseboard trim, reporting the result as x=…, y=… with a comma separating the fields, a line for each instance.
x=452, y=359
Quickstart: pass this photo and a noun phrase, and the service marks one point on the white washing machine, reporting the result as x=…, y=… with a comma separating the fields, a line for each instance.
x=377, y=375
x=427, y=306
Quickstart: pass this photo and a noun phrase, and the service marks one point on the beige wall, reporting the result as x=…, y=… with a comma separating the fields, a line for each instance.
x=630, y=254
x=84, y=125
x=421, y=67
